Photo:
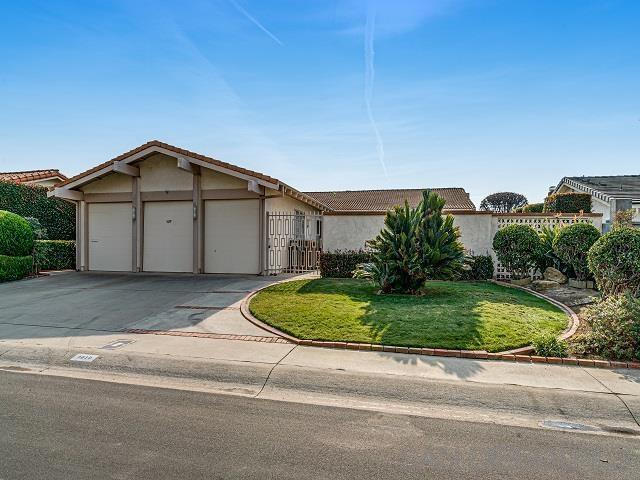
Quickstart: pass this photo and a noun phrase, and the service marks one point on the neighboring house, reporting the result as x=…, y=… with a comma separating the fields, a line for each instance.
x=43, y=178
x=159, y=208
x=608, y=193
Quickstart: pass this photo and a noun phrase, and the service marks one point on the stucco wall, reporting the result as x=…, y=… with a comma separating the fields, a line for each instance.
x=160, y=172
x=476, y=231
x=112, y=183
x=286, y=204
x=350, y=232
x=212, y=180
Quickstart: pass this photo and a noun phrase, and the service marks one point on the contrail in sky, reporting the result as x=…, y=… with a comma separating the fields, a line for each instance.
x=253, y=20
x=369, y=76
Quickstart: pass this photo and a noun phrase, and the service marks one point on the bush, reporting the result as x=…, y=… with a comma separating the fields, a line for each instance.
x=615, y=328
x=416, y=244
x=16, y=236
x=531, y=208
x=550, y=346
x=517, y=248
x=54, y=254
x=56, y=216
x=478, y=267
x=15, y=268
x=571, y=202
x=571, y=245
x=342, y=263
x=614, y=261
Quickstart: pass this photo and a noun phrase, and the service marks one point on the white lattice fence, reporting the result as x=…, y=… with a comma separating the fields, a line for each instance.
x=537, y=222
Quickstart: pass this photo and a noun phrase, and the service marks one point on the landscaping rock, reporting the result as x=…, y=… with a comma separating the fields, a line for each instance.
x=521, y=282
x=554, y=275
x=544, y=284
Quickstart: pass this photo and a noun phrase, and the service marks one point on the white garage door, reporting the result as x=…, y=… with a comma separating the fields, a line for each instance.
x=110, y=240
x=168, y=237
x=231, y=236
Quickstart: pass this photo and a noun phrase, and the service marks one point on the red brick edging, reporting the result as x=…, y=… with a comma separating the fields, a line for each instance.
x=520, y=355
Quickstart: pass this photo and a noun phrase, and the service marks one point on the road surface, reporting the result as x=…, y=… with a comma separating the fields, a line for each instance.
x=56, y=427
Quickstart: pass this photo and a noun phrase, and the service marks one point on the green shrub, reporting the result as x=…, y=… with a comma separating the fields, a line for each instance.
x=517, y=248
x=547, y=257
x=531, y=208
x=54, y=254
x=571, y=202
x=415, y=244
x=572, y=243
x=615, y=328
x=16, y=236
x=549, y=345
x=614, y=261
x=15, y=268
x=56, y=216
x=342, y=263
x=478, y=267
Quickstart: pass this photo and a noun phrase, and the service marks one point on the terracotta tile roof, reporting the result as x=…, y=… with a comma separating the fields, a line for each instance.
x=181, y=151
x=373, y=201
x=31, y=175
x=178, y=151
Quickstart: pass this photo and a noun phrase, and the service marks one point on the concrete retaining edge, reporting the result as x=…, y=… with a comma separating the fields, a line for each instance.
x=520, y=355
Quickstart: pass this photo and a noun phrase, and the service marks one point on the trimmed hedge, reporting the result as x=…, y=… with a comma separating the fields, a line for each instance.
x=342, y=263
x=518, y=248
x=478, y=267
x=56, y=216
x=531, y=208
x=55, y=254
x=572, y=243
x=16, y=236
x=571, y=202
x=614, y=261
x=15, y=268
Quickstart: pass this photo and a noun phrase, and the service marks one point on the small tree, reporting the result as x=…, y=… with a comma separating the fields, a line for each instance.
x=503, y=202
x=518, y=248
x=416, y=244
x=614, y=261
x=571, y=245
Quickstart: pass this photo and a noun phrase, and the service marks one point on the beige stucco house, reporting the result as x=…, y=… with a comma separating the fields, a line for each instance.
x=43, y=178
x=159, y=208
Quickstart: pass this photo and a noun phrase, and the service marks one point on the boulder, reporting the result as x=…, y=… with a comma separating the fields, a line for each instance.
x=554, y=275
x=544, y=284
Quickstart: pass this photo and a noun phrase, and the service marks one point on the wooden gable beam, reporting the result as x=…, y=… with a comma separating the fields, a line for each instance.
x=126, y=169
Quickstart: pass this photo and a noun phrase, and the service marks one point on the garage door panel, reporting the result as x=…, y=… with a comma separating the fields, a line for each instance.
x=232, y=236
x=168, y=237
x=110, y=236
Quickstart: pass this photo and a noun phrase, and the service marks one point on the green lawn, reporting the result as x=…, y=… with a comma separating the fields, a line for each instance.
x=455, y=315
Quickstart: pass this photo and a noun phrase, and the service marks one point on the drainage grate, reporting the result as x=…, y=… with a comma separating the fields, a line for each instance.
x=568, y=426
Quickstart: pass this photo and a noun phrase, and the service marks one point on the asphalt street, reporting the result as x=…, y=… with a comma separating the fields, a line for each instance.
x=56, y=427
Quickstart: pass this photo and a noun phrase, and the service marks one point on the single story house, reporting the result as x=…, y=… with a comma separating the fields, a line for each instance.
x=159, y=208
x=609, y=194
x=43, y=178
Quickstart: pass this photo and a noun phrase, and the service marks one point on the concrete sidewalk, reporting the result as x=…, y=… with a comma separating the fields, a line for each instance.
x=67, y=343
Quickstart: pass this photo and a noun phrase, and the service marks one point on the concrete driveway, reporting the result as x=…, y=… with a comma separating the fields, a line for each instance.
x=113, y=302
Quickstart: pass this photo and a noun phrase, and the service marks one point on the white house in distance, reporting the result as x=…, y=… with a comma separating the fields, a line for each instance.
x=43, y=178
x=160, y=208
x=608, y=193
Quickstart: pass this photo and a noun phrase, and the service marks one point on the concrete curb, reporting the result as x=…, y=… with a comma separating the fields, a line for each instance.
x=520, y=355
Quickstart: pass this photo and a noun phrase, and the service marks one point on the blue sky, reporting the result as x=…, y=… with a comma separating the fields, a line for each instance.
x=489, y=95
